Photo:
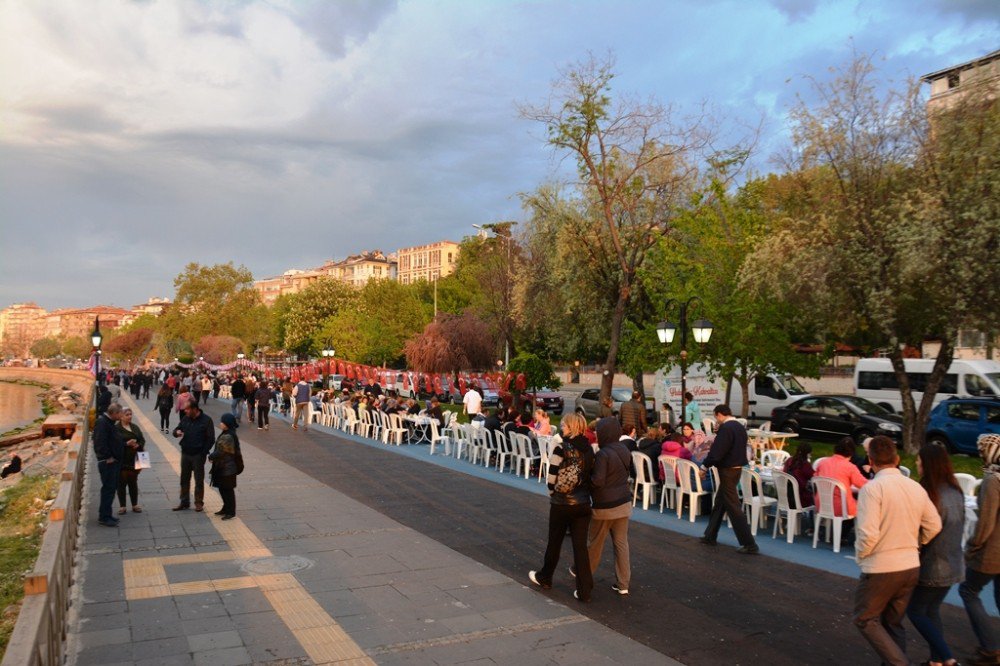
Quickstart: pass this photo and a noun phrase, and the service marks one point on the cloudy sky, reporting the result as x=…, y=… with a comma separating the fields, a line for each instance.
x=138, y=136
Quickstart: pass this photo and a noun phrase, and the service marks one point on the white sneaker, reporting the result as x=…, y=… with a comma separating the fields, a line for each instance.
x=620, y=590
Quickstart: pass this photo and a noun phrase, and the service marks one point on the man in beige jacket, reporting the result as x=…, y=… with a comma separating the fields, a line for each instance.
x=895, y=517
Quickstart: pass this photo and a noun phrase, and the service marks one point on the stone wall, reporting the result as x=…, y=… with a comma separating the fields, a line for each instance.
x=80, y=381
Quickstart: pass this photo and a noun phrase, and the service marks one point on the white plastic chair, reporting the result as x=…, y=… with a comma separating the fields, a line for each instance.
x=775, y=458
x=364, y=426
x=395, y=431
x=818, y=461
x=505, y=452
x=481, y=445
x=644, y=478
x=708, y=425
x=967, y=483
x=754, y=498
x=668, y=494
x=905, y=470
x=444, y=438
x=691, y=488
x=523, y=454
x=788, y=488
x=351, y=421
x=545, y=447
x=824, y=493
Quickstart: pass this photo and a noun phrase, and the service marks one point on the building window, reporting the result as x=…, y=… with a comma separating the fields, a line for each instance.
x=954, y=79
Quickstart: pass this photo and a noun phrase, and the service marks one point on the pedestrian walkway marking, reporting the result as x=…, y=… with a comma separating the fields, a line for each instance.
x=319, y=634
x=470, y=636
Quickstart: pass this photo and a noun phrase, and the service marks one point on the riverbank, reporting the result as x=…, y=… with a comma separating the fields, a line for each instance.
x=21, y=405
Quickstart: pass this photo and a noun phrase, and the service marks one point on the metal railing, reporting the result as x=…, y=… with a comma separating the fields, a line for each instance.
x=39, y=637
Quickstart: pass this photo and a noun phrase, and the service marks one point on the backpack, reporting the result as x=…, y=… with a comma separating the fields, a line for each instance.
x=571, y=472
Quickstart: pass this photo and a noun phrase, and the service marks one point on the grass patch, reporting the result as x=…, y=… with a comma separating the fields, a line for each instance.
x=22, y=524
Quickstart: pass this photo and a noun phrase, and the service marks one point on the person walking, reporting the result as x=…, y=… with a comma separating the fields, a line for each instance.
x=301, y=396
x=570, y=466
x=165, y=404
x=250, y=392
x=263, y=397
x=982, y=554
x=612, y=508
x=941, y=564
x=196, y=389
x=109, y=448
x=128, y=478
x=895, y=518
x=197, y=433
x=728, y=454
x=633, y=415
x=238, y=392
x=226, y=465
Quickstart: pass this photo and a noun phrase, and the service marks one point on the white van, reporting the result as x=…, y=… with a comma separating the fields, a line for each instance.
x=875, y=380
x=766, y=391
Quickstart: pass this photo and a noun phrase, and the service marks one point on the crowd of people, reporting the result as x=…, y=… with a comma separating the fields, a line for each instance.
x=907, y=535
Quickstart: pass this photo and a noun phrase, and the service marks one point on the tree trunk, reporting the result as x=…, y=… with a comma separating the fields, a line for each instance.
x=915, y=419
x=637, y=385
x=611, y=362
x=745, y=391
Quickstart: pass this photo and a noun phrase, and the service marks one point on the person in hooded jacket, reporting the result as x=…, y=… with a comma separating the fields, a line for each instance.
x=224, y=465
x=570, y=466
x=612, y=501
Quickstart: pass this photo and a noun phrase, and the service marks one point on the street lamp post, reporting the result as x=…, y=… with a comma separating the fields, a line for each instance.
x=328, y=354
x=666, y=330
x=95, y=339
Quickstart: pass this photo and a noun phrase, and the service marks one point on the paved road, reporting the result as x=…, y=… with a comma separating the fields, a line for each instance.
x=696, y=604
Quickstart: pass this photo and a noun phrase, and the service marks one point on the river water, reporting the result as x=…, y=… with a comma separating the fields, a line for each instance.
x=19, y=405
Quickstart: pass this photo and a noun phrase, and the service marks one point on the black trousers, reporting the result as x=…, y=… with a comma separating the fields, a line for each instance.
x=165, y=418
x=263, y=415
x=727, y=502
x=228, y=501
x=128, y=479
x=192, y=463
x=577, y=519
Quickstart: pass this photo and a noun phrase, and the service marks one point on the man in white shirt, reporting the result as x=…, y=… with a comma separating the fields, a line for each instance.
x=472, y=403
x=895, y=517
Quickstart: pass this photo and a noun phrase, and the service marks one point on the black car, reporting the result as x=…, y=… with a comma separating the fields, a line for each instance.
x=833, y=416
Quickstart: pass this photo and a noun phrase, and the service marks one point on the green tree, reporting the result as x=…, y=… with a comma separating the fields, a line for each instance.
x=901, y=240
x=636, y=171
x=45, y=348
x=308, y=309
x=214, y=300
x=77, y=347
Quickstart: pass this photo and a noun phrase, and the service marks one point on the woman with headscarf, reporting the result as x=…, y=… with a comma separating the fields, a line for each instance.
x=225, y=457
x=982, y=554
x=128, y=478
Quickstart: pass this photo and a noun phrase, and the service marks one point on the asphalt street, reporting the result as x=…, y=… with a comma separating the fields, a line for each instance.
x=697, y=604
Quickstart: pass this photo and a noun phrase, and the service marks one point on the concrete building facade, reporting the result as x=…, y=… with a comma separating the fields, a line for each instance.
x=426, y=262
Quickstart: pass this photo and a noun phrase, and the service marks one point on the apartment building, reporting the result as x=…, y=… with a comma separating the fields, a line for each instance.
x=426, y=262
x=949, y=84
x=20, y=325
x=356, y=270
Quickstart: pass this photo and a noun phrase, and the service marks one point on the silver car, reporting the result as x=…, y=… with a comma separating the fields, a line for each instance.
x=590, y=402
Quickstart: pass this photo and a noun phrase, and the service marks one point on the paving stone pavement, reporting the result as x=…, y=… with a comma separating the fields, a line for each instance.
x=303, y=575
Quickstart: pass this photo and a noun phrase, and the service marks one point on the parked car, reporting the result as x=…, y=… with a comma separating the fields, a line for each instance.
x=490, y=397
x=547, y=399
x=956, y=423
x=336, y=382
x=590, y=402
x=833, y=416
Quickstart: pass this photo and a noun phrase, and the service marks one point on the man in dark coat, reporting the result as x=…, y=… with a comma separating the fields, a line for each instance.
x=633, y=415
x=729, y=454
x=109, y=448
x=197, y=433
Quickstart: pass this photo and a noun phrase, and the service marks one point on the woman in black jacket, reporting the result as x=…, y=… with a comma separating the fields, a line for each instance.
x=570, y=467
x=164, y=403
x=224, y=465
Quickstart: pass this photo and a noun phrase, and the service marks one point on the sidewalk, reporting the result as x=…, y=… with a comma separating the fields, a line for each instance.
x=303, y=575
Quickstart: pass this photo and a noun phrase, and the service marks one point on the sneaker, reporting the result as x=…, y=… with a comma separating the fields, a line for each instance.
x=136, y=509
x=620, y=590
x=181, y=507
x=295, y=427
x=533, y=577
x=259, y=428
x=107, y=523
x=228, y=516
x=267, y=427
x=708, y=542
x=219, y=513
x=199, y=507
x=122, y=510
x=576, y=595
x=572, y=571
x=748, y=550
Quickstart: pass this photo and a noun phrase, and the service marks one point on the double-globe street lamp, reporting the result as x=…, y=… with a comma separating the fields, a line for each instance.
x=667, y=330
x=328, y=354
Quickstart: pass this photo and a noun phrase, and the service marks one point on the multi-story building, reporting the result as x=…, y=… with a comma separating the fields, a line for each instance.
x=79, y=322
x=356, y=270
x=426, y=262
x=950, y=84
x=20, y=325
x=154, y=306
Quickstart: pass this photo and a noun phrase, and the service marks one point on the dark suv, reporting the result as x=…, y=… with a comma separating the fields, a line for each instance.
x=958, y=422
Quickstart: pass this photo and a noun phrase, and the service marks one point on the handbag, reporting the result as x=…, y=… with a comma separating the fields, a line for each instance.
x=239, y=462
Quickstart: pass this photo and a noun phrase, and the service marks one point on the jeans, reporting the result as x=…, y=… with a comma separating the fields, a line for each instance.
x=727, y=502
x=263, y=412
x=924, y=612
x=109, y=486
x=577, y=519
x=192, y=462
x=970, y=592
x=879, y=606
x=237, y=408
